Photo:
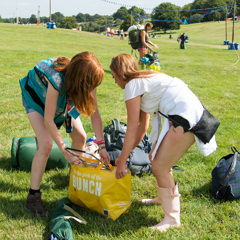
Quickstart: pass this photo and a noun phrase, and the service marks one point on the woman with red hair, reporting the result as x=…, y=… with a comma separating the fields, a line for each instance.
x=55, y=93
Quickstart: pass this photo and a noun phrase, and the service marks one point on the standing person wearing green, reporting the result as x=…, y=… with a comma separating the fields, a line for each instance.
x=56, y=92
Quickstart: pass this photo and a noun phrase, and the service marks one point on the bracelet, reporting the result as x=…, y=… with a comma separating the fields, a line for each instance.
x=100, y=142
x=102, y=148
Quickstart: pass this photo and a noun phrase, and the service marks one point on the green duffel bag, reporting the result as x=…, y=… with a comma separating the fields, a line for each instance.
x=24, y=149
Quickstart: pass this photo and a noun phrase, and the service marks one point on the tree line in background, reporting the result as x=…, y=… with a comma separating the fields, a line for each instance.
x=123, y=19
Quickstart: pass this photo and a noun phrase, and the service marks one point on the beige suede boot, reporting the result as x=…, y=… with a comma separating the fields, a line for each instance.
x=170, y=200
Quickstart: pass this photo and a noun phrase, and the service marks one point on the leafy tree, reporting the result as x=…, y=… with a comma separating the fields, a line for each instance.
x=185, y=13
x=136, y=10
x=167, y=16
x=44, y=19
x=102, y=22
x=68, y=22
x=33, y=19
x=23, y=20
x=121, y=13
x=1, y=20
x=8, y=20
x=90, y=27
x=205, y=4
x=96, y=16
x=80, y=17
x=127, y=22
x=57, y=17
x=196, y=18
x=88, y=17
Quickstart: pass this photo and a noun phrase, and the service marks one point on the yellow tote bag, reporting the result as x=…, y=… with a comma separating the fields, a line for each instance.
x=98, y=190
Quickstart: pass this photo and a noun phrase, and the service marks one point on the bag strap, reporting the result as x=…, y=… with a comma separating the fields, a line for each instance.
x=77, y=217
x=34, y=95
x=85, y=159
x=173, y=120
x=224, y=181
x=116, y=129
x=99, y=167
x=230, y=171
x=234, y=149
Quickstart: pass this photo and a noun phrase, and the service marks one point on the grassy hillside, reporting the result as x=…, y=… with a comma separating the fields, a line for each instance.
x=207, y=66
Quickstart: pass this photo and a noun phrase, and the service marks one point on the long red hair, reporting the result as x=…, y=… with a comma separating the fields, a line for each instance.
x=83, y=73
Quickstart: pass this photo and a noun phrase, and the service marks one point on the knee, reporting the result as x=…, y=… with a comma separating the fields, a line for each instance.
x=159, y=169
x=45, y=147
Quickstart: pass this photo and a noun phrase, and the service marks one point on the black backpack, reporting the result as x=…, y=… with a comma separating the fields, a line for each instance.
x=138, y=161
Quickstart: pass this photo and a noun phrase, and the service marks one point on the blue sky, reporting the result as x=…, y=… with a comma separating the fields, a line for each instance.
x=25, y=8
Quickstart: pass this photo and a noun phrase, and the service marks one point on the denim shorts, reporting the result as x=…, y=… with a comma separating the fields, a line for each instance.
x=27, y=108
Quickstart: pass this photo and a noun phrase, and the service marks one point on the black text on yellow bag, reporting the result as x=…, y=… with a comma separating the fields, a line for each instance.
x=98, y=189
x=24, y=149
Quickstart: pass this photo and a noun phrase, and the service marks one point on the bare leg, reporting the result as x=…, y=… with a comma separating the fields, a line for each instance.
x=78, y=135
x=44, y=148
x=142, y=53
x=34, y=202
x=173, y=146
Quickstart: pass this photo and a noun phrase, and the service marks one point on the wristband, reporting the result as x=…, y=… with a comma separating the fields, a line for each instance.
x=100, y=142
x=102, y=148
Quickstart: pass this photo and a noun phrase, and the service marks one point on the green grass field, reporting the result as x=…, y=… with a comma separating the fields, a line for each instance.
x=207, y=66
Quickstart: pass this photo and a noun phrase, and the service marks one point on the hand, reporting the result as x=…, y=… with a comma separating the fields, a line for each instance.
x=121, y=168
x=71, y=158
x=104, y=156
x=155, y=45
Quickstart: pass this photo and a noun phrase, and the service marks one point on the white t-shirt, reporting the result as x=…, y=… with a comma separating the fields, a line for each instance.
x=151, y=90
x=169, y=95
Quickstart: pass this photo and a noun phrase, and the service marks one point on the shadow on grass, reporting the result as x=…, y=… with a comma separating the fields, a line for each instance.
x=98, y=225
x=13, y=207
x=5, y=164
x=205, y=191
x=60, y=181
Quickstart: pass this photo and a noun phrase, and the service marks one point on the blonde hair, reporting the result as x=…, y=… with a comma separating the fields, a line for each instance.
x=83, y=73
x=125, y=67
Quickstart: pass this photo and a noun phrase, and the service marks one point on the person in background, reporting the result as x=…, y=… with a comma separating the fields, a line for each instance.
x=119, y=33
x=125, y=35
x=122, y=38
x=182, y=38
x=54, y=93
x=108, y=31
x=148, y=92
x=144, y=43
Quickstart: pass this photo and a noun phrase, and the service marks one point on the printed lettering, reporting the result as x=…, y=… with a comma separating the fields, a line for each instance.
x=85, y=185
x=98, y=189
x=91, y=183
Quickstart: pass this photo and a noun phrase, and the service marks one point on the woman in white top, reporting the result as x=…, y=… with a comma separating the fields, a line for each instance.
x=149, y=92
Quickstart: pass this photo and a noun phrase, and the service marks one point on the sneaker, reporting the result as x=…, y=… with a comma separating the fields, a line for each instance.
x=34, y=205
